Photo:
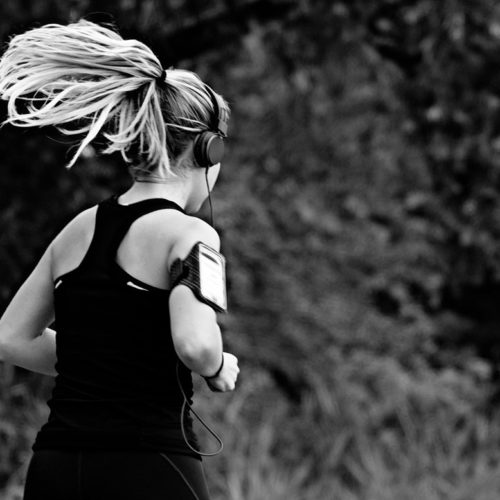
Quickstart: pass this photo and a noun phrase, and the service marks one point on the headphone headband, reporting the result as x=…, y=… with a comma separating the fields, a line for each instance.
x=209, y=144
x=219, y=117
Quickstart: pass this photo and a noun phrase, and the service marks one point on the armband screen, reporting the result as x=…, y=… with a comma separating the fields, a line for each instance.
x=204, y=272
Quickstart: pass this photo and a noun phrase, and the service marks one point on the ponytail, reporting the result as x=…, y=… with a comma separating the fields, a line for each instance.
x=86, y=80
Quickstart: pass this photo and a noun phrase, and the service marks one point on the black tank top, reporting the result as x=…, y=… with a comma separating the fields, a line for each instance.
x=116, y=385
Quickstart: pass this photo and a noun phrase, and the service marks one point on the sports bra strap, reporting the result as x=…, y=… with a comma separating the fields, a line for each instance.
x=112, y=223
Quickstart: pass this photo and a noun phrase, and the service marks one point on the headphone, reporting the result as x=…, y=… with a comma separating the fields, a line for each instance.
x=208, y=148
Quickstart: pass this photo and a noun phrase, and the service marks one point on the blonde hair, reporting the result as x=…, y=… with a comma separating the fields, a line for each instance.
x=85, y=79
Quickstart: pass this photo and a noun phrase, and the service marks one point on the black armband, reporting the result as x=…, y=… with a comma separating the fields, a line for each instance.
x=204, y=272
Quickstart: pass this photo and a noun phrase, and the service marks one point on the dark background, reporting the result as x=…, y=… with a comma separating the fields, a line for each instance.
x=359, y=212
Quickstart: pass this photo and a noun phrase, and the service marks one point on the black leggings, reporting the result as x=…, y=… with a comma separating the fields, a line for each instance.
x=114, y=475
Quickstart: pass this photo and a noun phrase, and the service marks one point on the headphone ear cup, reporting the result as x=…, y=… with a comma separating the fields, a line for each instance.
x=208, y=149
x=199, y=149
x=215, y=149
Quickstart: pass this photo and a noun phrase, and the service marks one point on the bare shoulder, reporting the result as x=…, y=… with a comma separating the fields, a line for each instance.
x=77, y=228
x=174, y=228
x=188, y=234
x=69, y=246
x=199, y=230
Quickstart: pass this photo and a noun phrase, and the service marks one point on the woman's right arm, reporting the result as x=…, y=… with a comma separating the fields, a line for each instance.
x=195, y=333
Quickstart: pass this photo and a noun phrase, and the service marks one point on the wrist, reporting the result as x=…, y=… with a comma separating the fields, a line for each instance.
x=217, y=373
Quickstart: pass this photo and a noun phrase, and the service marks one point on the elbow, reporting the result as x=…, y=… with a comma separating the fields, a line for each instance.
x=198, y=352
x=193, y=353
x=200, y=361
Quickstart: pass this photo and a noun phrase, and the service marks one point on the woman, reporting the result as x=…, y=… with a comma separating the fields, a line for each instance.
x=129, y=329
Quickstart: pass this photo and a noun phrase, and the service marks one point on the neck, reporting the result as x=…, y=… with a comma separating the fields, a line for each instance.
x=174, y=190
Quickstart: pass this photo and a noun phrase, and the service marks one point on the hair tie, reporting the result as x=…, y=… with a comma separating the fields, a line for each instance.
x=162, y=79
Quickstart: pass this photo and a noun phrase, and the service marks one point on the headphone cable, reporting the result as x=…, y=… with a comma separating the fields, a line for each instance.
x=209, y=198
x=186, y=403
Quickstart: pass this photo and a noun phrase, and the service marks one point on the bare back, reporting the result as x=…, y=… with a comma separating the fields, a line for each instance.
x=143, y=253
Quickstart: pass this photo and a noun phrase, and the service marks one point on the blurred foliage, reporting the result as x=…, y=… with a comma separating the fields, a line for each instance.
x=359, y=213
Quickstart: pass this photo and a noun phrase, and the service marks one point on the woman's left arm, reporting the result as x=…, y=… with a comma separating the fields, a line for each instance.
x=25, y=339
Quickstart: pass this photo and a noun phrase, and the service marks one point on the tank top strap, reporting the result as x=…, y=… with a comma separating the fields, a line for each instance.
x=112, y=223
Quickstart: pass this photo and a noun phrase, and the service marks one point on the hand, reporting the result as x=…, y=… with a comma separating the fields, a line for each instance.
x=226, y=380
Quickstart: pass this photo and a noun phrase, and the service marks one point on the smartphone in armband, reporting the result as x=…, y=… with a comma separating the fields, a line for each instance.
x=204, y=272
